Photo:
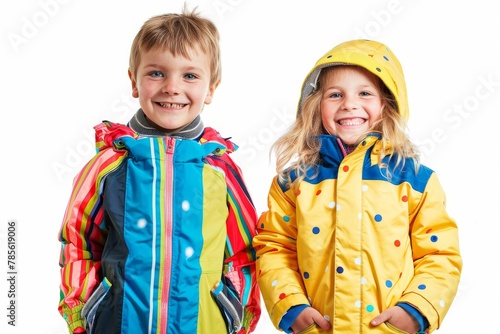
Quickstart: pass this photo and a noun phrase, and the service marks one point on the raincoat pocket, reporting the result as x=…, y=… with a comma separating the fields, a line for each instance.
x=394, y=329
x=90, y=308
x=308, y=329
x=229, y=304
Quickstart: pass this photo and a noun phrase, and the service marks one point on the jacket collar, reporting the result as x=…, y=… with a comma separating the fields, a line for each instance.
x=331, y=150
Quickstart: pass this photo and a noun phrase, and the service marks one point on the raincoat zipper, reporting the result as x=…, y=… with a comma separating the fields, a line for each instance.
x=169, y=181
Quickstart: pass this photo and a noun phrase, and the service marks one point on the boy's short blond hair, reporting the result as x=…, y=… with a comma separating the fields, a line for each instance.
x=180, y=34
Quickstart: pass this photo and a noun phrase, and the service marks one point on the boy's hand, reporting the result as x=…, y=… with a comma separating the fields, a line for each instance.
x=397, y=317
x=308, y=317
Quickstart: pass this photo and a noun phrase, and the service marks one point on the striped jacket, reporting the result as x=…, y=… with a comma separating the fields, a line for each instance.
x=156, y=231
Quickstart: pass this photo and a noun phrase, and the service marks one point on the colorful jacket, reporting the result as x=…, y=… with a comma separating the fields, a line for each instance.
x=350, y=241
x=157, y=236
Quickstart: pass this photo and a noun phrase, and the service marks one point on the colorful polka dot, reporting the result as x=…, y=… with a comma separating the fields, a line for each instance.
x=434, y=238
x=286, y=219
x=357, y=304
x=327, y=317
x=282, y=296
x=315, y=230
x=428, y=231
x=141, y=223
x=422, y=287
x=442, y=303
x=370, y=308
x=318, y=192
x=331, y=205
x=306, y=275
x=189, y=251
x=378, y=218
x=404, y=198
x=364, y=188
x=297, y=193
x=340, y=269
x=378, y=69
x=397, y=243
x=388, y=283
x=363, y=143
x=262, y=225
x=360, y=216
x=345, y=168
x=385, y=57
x=363, y=281
x=185, y=205
x=274, y=283
x=357, y=260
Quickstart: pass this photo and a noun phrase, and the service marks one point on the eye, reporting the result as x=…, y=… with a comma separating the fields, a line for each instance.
x=190, y=76
x=335, y=95
x=158, y=74
x=365, y=93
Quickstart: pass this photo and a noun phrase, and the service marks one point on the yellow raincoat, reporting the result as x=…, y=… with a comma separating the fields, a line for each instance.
x=350, y=242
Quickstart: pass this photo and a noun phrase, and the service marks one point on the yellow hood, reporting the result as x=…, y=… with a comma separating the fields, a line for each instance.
x=373, y=56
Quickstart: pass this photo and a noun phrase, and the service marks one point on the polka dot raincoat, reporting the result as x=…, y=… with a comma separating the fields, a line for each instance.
x=351, y=242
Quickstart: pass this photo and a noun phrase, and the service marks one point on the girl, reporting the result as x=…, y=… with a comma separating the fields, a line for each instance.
x=357, y=238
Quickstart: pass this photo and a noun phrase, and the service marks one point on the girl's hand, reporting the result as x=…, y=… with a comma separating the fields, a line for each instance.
x=308, y=317
x=397, y=317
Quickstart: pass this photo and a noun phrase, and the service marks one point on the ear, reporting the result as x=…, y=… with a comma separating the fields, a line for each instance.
x=135, y=92
x=210, y=94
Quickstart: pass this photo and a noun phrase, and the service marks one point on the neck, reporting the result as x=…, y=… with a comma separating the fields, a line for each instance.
x=140, y=124
x=346, y=148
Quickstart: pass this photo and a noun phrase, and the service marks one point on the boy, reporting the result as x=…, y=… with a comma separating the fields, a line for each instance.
x=157, y=234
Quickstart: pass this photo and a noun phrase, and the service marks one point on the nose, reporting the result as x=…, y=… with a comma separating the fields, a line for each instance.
x=349, y=103
x=171, y=86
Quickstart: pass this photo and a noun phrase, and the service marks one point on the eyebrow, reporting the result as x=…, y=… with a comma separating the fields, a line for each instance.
x=184, y=69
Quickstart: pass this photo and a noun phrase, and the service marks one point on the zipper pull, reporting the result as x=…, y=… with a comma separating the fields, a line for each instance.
x=170, y=145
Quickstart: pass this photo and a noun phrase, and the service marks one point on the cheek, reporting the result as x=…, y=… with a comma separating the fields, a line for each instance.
x=327, y=114
x=147, y=87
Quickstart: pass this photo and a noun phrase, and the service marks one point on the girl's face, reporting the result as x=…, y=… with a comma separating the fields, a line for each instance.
x=351, y=102
x=172, y=90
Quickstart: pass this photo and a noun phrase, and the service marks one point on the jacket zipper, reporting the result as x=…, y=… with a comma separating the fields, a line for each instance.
x=169, y=181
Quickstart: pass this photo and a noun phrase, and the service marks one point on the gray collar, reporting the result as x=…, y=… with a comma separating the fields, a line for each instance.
x=140, y=124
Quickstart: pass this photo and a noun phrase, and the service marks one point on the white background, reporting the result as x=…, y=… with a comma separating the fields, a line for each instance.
x=64, y=69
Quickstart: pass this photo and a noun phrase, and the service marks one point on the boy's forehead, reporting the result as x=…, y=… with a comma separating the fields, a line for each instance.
x=187, y=51
x=165, y=55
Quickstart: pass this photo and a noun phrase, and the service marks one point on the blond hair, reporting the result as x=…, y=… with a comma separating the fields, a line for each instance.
x=180, y=34
x=298, y=149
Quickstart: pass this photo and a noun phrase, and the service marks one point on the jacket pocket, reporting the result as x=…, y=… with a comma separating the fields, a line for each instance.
x=308, y=329
x=229, y=305
x=394, y=329
x=89, y=310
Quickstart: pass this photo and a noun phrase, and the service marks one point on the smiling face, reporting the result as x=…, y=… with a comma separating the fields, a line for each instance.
x=172, y=90
x=351, y=102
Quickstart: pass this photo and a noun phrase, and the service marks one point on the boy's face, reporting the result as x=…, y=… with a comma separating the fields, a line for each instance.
x=351, y=102
x=172, y=90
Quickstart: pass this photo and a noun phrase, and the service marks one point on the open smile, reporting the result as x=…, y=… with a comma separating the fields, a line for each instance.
x=351, y=121
x=171, y=105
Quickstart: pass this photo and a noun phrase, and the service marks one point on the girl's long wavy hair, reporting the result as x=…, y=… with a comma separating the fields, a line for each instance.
x=298, y=149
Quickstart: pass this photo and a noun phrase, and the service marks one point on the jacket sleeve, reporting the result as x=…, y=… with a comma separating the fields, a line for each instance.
x=82, y=236
x=436, y=256
x=239, y=257
x=277, y=267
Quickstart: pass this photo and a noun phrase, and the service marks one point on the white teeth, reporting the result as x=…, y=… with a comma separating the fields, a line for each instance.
x=171, y=105
x=350, y=122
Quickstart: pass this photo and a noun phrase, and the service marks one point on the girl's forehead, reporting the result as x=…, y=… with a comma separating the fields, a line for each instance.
x=339, y=72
